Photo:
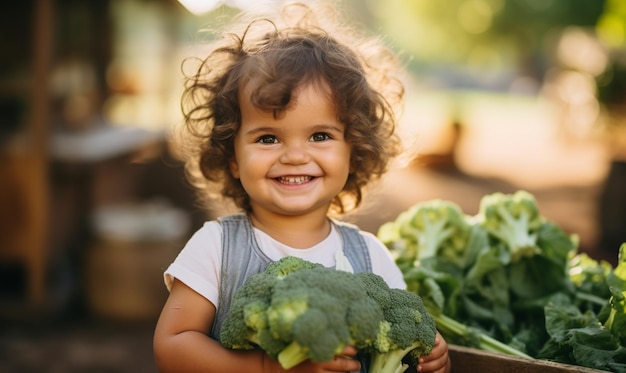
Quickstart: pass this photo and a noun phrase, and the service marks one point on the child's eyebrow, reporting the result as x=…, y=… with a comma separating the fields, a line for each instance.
x=259, y=130
x=271, y=129
x=328, y=128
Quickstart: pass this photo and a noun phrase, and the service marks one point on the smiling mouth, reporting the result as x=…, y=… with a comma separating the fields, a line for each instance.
x=294, y=180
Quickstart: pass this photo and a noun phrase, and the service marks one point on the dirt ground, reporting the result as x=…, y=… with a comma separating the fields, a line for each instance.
x=71, y=346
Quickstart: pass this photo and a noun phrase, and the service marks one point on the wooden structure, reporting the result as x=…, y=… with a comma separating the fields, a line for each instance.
x=24, y=172
x=470, y=360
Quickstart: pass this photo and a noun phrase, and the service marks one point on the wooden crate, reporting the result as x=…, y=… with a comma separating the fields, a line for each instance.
x=470, y=360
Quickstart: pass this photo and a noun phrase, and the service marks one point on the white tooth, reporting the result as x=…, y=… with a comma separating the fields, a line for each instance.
x=294, y=179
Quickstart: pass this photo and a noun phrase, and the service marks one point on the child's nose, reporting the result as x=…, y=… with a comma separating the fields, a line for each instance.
x=295, y=154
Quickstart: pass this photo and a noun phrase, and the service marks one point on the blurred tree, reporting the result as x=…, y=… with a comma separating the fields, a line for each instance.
x=611, y=30
x=482, y=34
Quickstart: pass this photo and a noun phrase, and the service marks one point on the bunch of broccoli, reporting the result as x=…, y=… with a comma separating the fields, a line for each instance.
x=508, y=280
x=297, y=310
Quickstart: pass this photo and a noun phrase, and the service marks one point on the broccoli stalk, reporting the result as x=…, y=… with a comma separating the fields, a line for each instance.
x=617, y=315
x=293, y=355
x=453, y=330
x=391, y=362
x=616, y=320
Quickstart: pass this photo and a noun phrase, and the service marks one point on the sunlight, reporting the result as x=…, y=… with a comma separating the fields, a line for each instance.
x=199, y=7
x=475, y=16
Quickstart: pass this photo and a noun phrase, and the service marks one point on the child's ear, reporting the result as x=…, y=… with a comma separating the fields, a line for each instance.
x=234, y=168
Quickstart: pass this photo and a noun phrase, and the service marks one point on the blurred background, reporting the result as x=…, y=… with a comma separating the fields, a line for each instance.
x=501, y=95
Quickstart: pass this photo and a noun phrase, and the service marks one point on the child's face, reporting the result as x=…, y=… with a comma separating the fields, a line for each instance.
x=296, y=164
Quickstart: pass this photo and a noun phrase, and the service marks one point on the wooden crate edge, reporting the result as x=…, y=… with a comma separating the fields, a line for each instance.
x=467, y=360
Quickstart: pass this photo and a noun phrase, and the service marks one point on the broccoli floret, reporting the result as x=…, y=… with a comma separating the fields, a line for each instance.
x=289, y=264
x=376, y=288
x=407, y=329
x=312, y=340
x=407, y=332
x=246, y=320
x=364, y=317
x=327, y=295
x=247, y=325
x=427, y=229
x=254, y=314
x=283, y=311
x=514, y=220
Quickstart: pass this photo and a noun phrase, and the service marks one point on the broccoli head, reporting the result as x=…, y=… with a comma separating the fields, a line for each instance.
x=513, y=220
x=427, y=229
x=313, y=312
x=407, y=330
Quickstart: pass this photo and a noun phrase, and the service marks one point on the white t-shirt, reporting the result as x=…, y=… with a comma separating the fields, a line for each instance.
x=198, y=265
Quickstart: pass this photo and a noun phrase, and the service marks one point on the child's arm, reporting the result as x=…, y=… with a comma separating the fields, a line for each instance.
x=181, y=342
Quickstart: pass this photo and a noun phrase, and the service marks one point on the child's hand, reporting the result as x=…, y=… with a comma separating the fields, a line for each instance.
x=438, y=361
x=341, y=363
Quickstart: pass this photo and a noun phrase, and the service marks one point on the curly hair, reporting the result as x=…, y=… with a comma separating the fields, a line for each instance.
x=273, y=58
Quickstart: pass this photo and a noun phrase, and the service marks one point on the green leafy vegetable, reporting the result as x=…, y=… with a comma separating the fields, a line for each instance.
x=616, y=280
x=509, y=280
x=296, y=310
x=580, y=338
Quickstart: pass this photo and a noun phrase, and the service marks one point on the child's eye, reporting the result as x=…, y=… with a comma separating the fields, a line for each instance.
x=267, y=139
x=320, y=136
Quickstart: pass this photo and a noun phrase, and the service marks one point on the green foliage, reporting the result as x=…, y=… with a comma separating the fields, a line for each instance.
x=580, y=338
x=520, y=287
x=470, y=33
x=616, y=280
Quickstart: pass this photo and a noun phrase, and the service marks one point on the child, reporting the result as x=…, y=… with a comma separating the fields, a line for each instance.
x=291, y=122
